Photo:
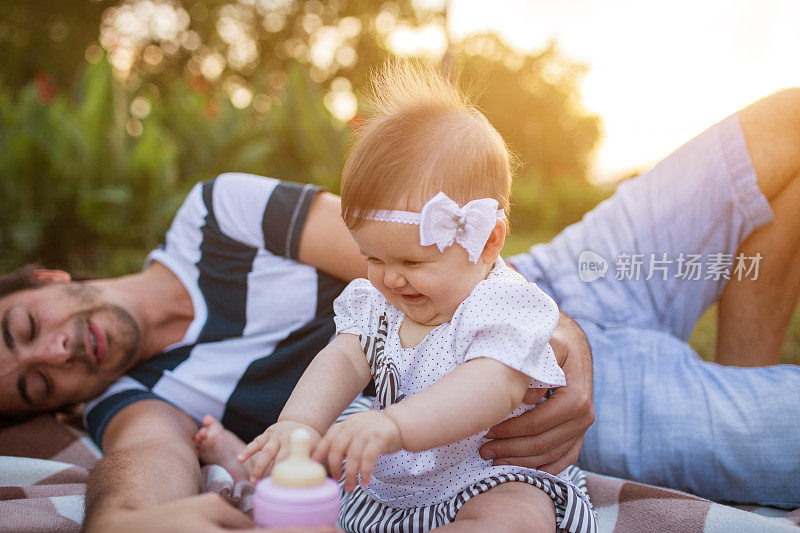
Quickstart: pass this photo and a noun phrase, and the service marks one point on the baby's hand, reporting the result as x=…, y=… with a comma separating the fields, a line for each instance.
x=361, y=438
x=272, y=446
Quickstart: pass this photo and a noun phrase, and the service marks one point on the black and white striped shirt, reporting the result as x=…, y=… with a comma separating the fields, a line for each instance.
x=260, y=316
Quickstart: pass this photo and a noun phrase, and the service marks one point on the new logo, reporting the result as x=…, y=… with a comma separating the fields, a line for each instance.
x=591, y=266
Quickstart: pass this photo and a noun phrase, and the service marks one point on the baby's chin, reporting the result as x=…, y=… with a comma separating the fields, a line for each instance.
x=428, y=319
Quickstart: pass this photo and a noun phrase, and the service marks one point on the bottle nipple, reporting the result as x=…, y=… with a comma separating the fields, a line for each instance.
x=298, y=470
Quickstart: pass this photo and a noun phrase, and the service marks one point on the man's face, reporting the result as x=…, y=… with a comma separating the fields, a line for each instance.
x=61, y=344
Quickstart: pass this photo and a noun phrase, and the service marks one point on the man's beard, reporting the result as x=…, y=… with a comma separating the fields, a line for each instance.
x=126, y=335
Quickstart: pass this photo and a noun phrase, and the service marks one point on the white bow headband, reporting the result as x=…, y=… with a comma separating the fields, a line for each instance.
x=442, y=222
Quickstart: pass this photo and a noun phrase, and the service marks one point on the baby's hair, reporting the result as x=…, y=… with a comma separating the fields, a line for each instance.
x=421, y=136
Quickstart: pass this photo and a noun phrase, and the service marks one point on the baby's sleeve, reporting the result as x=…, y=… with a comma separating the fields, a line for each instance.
x=353, y=309
x=512, y=322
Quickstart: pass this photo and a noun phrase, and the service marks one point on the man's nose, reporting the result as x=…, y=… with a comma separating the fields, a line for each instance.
x=53, y=351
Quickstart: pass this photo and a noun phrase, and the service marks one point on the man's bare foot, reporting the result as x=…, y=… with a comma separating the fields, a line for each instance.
x=216, y=445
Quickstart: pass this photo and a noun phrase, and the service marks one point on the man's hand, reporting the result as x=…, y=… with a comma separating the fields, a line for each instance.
x=207, y=513
x=361, y=438
x=272, y=446
x=550, y=436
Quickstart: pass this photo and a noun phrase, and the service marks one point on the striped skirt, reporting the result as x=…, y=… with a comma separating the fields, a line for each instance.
x=361, y=514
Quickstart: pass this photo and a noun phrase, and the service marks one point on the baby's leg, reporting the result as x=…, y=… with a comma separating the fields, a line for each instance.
x=511, y=507
x=216, y=445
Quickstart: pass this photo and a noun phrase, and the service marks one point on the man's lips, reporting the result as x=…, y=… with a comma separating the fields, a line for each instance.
x=97, y=347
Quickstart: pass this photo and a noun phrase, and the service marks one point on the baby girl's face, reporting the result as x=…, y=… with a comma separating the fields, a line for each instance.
x=424, y=283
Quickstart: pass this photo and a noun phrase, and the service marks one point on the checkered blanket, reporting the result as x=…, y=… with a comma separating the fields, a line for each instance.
x=44, y=465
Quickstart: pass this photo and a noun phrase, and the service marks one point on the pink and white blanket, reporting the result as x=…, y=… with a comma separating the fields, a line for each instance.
x=44, y=465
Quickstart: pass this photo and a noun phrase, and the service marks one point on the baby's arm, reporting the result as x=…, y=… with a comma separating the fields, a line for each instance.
x=333, y=379
x=468, y=399
x=330, y=383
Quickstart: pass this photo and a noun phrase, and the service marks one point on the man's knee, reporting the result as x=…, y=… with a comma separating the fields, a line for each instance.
x=771, y=128
x=792, y=96
x=783, y=105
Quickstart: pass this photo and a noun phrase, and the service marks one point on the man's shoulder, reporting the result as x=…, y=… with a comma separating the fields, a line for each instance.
x=232, y=192
x=238, y=191
x=256, y=211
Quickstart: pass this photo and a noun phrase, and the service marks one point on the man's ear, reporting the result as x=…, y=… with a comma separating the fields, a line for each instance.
x=497, y=238
x=51, y=276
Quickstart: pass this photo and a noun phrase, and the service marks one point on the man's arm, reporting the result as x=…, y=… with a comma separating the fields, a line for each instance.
x=149, y=459
x=550, y=437
x=326, y=243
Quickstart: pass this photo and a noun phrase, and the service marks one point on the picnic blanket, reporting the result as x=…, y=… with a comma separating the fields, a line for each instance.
x=44, y=465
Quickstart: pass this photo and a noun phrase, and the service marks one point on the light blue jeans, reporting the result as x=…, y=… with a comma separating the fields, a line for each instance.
x=663, y=415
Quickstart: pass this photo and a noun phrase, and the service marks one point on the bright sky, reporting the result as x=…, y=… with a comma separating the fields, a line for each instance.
x=660, y=72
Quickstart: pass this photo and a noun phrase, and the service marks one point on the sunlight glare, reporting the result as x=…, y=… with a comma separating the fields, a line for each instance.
x=659, y=72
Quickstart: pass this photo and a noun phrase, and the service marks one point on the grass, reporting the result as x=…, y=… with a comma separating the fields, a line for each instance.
x=704, y=336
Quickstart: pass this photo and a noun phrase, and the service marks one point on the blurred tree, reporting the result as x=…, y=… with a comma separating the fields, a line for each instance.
x=111, y=110
x=534, y=101
x=86, y=185
x=47, y=37
x=242, y=44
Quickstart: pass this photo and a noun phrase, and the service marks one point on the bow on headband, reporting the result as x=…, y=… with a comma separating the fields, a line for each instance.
x=442, y=222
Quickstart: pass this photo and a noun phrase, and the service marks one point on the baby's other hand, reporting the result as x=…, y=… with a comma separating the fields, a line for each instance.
x=272, y=446
x=361, y=438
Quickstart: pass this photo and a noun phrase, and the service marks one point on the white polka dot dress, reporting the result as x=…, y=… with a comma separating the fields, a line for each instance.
x=505, y=318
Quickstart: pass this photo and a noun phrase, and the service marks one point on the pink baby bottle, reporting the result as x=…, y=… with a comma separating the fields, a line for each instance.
x=298, y=493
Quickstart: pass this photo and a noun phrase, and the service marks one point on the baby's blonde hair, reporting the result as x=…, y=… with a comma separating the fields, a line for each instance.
x=422, y=136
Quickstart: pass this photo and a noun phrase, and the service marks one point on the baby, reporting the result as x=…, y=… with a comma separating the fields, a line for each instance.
x=451, y=336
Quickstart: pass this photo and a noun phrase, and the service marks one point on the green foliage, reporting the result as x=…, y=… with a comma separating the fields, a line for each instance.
x=308, y=147
x=80, y=192
x=537, y=204
x=704, y=337
x=61, y=28
x=95, y=163
x=534, y=101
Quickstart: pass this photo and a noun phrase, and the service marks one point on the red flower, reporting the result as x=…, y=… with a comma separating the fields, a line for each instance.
x=45, y=88
x=200, y=85
x=213, y=108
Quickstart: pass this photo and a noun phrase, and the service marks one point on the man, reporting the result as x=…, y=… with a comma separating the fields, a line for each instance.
x=223, y=320
x=64, y=342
